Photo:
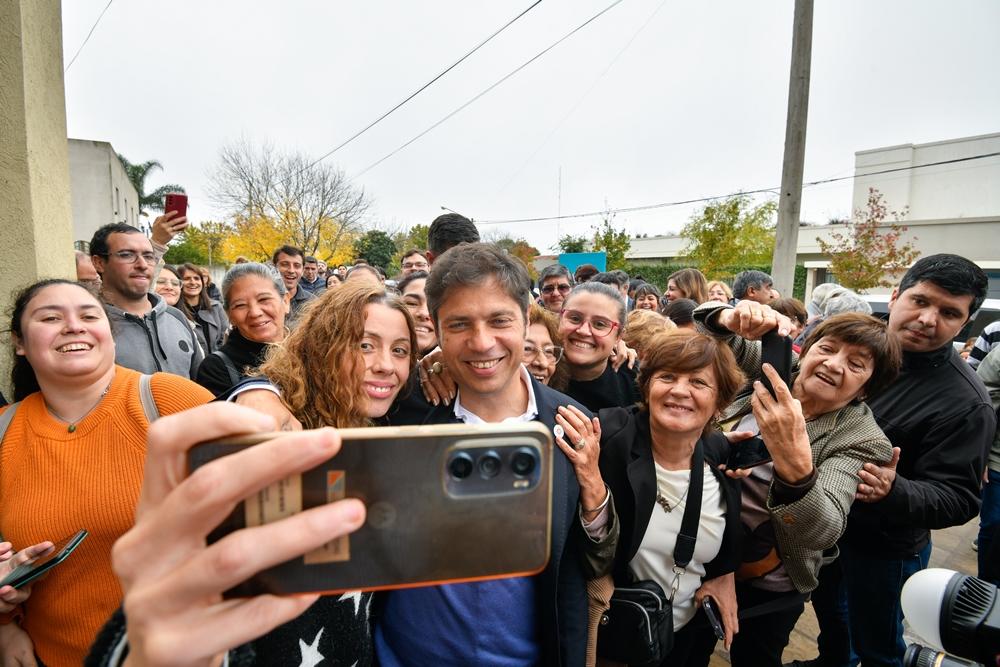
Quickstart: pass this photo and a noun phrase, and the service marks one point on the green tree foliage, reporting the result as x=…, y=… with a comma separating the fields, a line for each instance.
x=864, y=256
x=137, y=174
x=521, y=249
x=615, y=244
x=376, y=247
x=730, y=232
x=203, y=245
x=570, y=243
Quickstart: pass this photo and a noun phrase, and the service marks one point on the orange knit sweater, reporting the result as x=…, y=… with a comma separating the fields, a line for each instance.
x=53, y=483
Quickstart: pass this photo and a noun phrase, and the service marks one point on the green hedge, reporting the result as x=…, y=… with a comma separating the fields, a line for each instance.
x=658, y=274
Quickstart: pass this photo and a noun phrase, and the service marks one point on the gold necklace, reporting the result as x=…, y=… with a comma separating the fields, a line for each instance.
x=71, y=424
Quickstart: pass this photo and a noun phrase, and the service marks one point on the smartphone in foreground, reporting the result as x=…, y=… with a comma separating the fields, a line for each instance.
x=777, y=351
x=176, y=201
x=27, y=572
x=446, y=503
x=748, y=454
x=708, y=604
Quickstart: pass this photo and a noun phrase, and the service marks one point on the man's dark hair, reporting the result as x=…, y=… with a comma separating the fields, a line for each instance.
x=413, y=251
x=622, y=276
x=448, y=230
x=289, y=250
x=680, y=311
x=99, y=241
x=610, y=278
x=747, y=279
x=952, y=273
x=416, y=275
x=554, y=271
x=310, y=260
x=472, y=264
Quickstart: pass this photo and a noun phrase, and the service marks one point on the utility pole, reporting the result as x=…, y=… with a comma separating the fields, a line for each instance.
x=787, y=234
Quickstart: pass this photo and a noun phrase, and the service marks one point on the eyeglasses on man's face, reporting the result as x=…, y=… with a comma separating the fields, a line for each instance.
x=553, y=353
x=563, y=288
x=599, y=326
x=131, y=256
x=419, y=265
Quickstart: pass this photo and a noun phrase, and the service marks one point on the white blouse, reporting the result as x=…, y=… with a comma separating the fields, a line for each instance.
x=655, y=560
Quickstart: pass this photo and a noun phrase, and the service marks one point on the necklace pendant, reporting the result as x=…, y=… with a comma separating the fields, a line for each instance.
x=71, y=428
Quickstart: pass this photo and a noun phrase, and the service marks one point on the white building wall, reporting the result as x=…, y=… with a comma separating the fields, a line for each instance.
x=100, y=190
x=968, y=189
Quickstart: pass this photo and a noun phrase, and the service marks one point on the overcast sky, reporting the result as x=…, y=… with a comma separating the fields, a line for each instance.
x=655, y=101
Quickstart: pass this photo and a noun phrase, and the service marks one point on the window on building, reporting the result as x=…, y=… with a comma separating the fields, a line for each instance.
x=118, y=199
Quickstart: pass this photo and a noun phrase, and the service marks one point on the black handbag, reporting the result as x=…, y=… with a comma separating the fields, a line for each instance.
x=638, y=628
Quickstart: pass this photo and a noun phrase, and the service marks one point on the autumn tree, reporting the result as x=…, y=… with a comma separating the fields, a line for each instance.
x=200, y=244
x=615, y=244
x=375, y=247
x=307, y=203
x=517, y=247
x=730, y=232
x=870, y=250
x=569, y=244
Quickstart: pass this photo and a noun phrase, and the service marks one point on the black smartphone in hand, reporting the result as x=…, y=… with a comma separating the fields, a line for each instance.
x=747, y=454
x=708, y=604
x=777, y=351
x=27, y=572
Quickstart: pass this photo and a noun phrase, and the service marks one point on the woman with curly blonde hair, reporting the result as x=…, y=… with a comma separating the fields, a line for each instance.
x=347, y=359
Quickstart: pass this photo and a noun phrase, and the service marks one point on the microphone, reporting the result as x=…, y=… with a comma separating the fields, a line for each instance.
x=955, y=612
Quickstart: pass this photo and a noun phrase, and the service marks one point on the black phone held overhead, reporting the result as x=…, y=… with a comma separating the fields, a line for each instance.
x=777, y=351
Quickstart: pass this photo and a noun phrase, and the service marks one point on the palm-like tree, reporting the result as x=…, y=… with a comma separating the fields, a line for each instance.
x=137, y=174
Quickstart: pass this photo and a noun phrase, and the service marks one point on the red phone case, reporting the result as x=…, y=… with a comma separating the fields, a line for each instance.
x=176, y=201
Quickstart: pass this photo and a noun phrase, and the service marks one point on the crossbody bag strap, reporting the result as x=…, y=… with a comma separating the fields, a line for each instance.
x=6, y=418
x=146, y=398
x=688, y=535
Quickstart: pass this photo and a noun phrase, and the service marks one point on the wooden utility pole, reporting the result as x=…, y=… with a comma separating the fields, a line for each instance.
x=787, y=235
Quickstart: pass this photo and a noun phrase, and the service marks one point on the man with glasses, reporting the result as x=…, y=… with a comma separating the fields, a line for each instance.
x=414, y=261
x=554, y=283
x=150, y=336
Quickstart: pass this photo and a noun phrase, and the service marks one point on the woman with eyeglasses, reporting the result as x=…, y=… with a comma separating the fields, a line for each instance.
x=168, y=284
x=554, y=283
x=590, y=325
x=208, y=316
x=542, y=351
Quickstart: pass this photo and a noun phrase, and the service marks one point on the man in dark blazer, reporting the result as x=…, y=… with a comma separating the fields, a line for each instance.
x=478, y=297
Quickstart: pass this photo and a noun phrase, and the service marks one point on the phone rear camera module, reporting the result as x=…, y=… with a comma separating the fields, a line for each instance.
x=489, y=465
x=524, y=461
x=460, y=466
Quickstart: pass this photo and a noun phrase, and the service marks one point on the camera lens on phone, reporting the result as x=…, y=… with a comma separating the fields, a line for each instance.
x=489, y=465
x=523, y=461
x=460, y=465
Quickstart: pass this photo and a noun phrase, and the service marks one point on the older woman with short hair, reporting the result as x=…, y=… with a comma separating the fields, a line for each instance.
x=819, y=433
x=651, y=456
x=253, y=296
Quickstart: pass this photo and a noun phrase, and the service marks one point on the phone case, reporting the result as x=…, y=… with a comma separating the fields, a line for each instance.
x=425, y=525
x=176, y=202
x=25, y=573
x=777, y=351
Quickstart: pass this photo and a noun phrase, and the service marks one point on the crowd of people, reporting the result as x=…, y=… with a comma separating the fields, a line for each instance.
x=647, y=390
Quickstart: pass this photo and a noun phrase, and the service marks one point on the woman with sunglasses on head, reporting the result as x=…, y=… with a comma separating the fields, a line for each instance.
x=207, y=315
x=71, y=458
x=590, y=325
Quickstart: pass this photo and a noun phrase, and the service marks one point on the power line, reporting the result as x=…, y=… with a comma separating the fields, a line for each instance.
x=87, y=38
x=648, y=207
x=583, y=97
x=421, y=89
x=488, y=89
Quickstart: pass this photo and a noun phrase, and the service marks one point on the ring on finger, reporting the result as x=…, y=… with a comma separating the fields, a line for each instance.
x=580, y=444
x=436, y=368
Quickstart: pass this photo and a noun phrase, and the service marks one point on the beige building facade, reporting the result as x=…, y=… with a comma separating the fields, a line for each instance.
x=100, y=190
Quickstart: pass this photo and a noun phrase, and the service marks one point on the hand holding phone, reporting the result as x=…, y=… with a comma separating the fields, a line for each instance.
x=708, y=604
x=777, y=351
x=176, y=202
x=747, y=453
x=171, y=579
x=32, y=562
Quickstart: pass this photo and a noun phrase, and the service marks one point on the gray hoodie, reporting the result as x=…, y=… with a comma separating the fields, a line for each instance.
x=161, y=340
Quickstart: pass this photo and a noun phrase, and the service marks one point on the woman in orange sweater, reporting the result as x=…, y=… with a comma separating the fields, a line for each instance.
x=71, y=458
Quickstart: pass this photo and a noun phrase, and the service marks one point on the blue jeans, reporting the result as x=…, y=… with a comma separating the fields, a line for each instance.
x=876, y=616
x=989, y=518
